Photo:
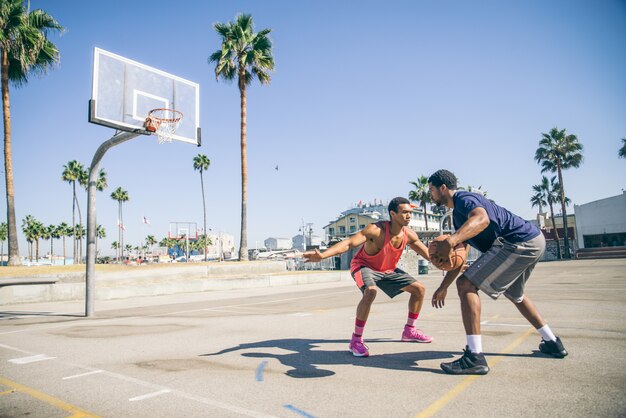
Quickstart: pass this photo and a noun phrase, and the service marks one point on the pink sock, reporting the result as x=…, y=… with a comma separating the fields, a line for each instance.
x=358, y=328
x=410, y=321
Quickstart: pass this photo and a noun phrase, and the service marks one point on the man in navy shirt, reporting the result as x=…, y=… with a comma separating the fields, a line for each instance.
x=511, y=247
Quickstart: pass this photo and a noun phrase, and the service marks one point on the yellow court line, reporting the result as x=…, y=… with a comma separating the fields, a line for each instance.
x=76, y=411
x=436, y=406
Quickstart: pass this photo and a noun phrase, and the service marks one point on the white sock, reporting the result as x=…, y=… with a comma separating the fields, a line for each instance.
x=475, y=343
x=546, y=333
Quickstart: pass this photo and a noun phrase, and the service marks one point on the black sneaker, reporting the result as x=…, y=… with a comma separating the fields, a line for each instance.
x=553, y=348
x=469, y=363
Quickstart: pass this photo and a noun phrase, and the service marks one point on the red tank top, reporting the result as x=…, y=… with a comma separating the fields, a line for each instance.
x=384, y=260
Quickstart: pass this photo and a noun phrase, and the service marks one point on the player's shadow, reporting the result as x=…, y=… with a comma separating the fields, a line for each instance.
x=307, y=355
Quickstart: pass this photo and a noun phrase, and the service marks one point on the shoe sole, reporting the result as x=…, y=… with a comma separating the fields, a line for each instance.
x=560, y=354
x=357, y=354
x=480, y=370
x=408, y=340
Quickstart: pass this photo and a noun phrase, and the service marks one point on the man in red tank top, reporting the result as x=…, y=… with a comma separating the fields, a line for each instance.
x=374, y=266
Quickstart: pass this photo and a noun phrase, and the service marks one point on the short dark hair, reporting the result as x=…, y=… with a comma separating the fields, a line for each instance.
x=446, y=177
x=395, y=202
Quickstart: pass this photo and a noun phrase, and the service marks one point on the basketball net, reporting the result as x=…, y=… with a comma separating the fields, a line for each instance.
x=163, y=123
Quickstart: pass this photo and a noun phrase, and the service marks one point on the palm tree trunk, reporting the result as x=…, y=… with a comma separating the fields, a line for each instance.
x=37, y=253
x=64, y=250
x=14, y=252
x=204, y=212
x=566, y=253
x=121, y=232
x=74, y=220
x=51, y=250
x=425, y=215
x=80, y=236
x=243, y=243
x=556, y=234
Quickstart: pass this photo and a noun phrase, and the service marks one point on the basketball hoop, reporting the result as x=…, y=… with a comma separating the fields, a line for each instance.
x=163, y=122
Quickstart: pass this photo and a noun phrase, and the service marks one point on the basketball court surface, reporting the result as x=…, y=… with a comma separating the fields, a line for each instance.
x=283, y=352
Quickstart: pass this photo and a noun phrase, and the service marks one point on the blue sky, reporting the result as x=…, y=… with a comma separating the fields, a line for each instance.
x=366, y=97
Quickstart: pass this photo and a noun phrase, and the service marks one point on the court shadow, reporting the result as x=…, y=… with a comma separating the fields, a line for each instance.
x=307, y=356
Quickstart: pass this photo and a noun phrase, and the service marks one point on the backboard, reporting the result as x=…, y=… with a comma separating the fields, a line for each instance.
x=125, y=91
x=183, y=230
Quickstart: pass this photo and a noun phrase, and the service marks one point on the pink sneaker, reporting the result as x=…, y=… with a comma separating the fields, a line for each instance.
x=414, y=334
x=357, y=347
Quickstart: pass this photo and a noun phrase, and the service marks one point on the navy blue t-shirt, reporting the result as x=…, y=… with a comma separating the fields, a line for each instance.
x=502, y=222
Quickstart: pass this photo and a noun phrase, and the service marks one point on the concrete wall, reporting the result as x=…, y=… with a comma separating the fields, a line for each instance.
x=605, y=216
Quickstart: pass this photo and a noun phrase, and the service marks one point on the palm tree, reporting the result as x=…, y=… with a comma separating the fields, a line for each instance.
x=150, y=241
x=65, y=231
x=79, y=233
x=121, y=196
x=29, y=229
x=559, y=151
x=421, y=194
x=25, y=49
x=100, y=233
x=243, y=55
x=4, y=233
x=622, y=150
x=53, y=233
x=115, y=245
x=74, y=171
x=201, y=163
x=547, y=195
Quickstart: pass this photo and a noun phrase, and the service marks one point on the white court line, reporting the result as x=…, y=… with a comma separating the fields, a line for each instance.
x=8, y=347
x=82, y=374
x=31, y=359
x=149, y=395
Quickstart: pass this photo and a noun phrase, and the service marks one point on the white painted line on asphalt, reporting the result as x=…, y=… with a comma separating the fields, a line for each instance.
x=8, y=347
x=149, y=395
x=82, y=374
x=300, y=314
x=31, y=359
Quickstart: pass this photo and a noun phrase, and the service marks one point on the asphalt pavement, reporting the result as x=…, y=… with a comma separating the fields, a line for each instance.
x=282, y=352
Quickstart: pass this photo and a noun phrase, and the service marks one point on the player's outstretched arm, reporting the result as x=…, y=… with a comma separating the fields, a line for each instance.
x=417, y=245
x=341, y=247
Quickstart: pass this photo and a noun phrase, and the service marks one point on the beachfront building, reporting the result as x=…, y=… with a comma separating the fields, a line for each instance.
x=602, y=223
x=306, y=242
x=274, y=243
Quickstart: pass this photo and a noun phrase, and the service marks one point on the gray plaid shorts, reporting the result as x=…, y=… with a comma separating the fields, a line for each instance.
x=506, y=267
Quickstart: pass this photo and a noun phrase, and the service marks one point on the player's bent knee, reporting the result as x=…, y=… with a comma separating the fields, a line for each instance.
x=463, y=285
x=417, y=289
x=370, y=293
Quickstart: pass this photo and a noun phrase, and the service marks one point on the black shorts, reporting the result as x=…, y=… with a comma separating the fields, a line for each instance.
x=391, y=283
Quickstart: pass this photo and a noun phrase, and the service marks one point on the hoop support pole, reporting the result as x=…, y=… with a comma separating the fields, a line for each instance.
x=90, y=274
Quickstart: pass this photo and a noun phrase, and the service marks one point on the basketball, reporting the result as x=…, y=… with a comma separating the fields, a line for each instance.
x=458, y=258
